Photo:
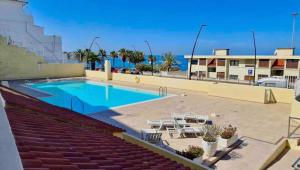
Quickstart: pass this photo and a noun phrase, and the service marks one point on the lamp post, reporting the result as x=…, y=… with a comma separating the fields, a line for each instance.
x=294, y=28
x=150, y=54
x=254, y=45
x=190, y=69
x=88, y=53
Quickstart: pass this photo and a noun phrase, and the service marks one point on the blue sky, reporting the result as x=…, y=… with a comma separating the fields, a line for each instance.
x=169, y=25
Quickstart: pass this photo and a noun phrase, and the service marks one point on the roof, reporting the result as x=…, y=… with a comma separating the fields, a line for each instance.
x=52, y=138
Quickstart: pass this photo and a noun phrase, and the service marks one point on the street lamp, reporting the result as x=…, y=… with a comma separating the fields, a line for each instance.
x=150, y=54
x=294, y=29
x=254, y=45
x=190, y=70
x=88, y=53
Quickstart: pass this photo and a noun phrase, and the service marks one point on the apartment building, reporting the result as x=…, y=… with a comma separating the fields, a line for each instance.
x=222, y=65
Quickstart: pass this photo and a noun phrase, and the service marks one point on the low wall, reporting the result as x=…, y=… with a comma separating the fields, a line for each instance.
x=163, y=152
x=43, y=71
x=18, y=63
x=9, y=157
x=233, y=91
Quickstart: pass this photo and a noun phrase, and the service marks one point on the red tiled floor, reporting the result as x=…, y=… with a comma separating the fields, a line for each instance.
x=52, y=138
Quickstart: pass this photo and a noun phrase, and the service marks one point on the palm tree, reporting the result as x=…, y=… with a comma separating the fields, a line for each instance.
x=113, y=55
x=93, y=58
x=138, y=57
x=103, y=56
x=169, y=61
x=151, y=58
x=123, y=55
x=130, y=56
x=80, y=55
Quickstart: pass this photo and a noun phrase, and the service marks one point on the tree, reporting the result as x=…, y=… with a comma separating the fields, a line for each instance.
x=130, y=57
x=113, y=55
x=138, y=57
x=169, y=61
x=123, y=55
x=103, y=56
x=151, y=58
x=93, y=58
x=80, y=55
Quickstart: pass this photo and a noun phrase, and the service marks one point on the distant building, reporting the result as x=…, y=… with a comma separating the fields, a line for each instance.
x=222, y=65
x=19, y=29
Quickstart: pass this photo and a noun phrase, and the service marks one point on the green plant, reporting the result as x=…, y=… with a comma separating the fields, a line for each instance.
x=211, y=132
x=123, y=54
x=228, y=132
x=209, y=138
x=113, y=55
x=169, y=62
x=192, y=152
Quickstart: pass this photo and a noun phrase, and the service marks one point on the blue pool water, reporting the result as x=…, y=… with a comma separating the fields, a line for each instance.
x=90, y=97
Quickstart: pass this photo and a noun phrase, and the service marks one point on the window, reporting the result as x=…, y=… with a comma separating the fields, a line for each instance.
x=263, y=63
x=221, y=75
x=202, y=62
x=292, y=63
x=233, y=77
x=194, y=62
x=234, y=62
x=202, y=74
x=260, y=76
x=249, y=63
x=221, y=62
x=211, y=69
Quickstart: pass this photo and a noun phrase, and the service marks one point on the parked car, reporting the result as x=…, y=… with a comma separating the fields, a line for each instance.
x=273, y=82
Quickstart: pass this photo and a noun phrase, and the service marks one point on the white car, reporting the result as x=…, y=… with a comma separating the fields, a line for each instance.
x=273, y=82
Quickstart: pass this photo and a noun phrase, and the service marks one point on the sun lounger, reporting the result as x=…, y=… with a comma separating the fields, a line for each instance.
x=198, y=118
x=183, y=132
x=180, y=116
x=167, y=123
x=151, y=136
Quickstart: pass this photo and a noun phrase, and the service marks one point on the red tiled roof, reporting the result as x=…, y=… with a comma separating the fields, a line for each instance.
x=52, y=138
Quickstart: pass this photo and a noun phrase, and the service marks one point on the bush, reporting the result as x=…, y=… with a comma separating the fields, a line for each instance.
x=228, y=132
x=192, y=152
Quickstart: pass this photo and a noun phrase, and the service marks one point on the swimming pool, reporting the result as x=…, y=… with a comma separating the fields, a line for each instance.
x=88, y=97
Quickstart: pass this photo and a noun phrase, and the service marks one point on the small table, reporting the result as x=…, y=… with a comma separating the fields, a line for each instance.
x=147, y=131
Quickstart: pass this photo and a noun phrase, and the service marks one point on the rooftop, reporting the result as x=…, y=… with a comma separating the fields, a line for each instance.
x=49, y=137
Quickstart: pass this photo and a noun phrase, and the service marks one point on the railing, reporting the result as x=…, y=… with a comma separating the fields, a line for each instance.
x=163, y=91
x=81, y=102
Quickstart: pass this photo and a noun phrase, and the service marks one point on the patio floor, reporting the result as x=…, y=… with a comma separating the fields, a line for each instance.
x=260, y=126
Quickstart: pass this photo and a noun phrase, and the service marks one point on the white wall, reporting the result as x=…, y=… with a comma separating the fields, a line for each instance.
x=20, y=28
x=9, y=155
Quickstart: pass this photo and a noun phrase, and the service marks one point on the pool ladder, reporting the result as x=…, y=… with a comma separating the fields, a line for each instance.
x=163, y=91
x=81, y=102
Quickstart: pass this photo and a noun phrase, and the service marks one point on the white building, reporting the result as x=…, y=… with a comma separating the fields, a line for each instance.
x=19, y=29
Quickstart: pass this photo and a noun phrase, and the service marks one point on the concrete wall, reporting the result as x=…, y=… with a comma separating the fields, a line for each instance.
x=234, y=91
x=18, y=63
x=19, y=27
x=9, y=155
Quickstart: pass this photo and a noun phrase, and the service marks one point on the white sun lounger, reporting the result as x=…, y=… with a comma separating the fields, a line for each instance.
x=183, y=132
x=165, y=123
x=180, y=116
x=198, y=118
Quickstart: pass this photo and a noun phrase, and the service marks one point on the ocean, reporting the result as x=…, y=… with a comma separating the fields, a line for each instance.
x=182, y=63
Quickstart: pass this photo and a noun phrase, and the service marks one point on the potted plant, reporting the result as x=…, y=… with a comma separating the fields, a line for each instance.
x=209, y=140
x=228, y=136
x=194, y=153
